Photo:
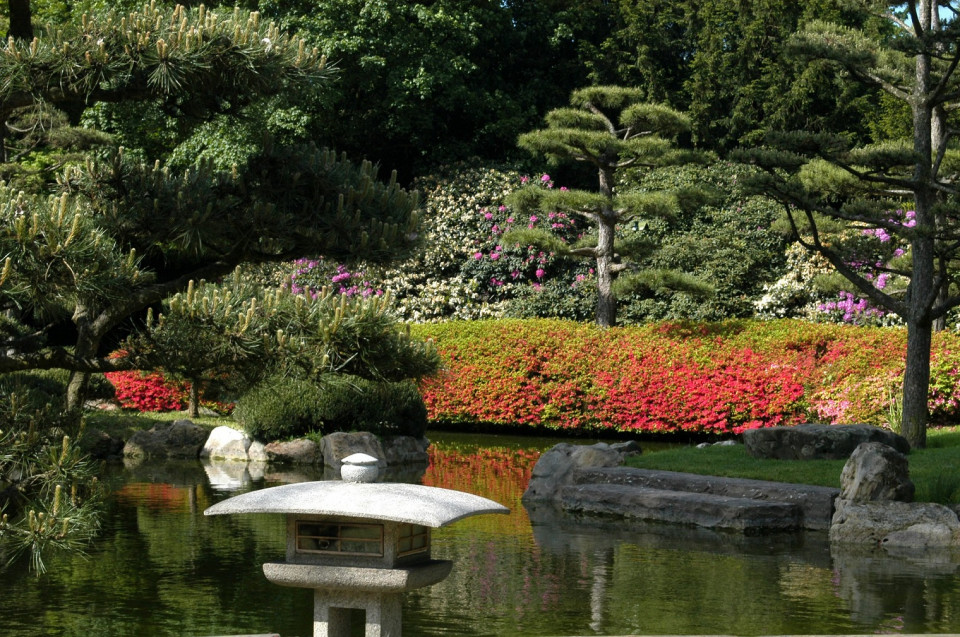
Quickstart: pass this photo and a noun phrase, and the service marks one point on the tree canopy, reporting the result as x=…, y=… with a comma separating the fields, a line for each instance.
x=123, y=234
x=885, y=210
x=609, y=128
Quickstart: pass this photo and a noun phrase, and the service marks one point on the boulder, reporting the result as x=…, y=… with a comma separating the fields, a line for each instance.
x=895, y=524
x=404, y=450
x=177, y=439
x=226, y=443
x=558, y=466
x=876, y=472
x=338, y=445
x=810, y=441
x=257, y=452
x=299, y=451
x=101, y=445
x=875, y=508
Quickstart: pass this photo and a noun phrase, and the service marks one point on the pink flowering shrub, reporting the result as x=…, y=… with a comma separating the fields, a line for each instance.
x=500, y=269
x=873, y=254
x=312, y=275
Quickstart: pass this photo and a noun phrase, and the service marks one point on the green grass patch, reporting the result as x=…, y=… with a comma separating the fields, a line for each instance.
x=735, y=462
x=935, y=471
x=122, y=424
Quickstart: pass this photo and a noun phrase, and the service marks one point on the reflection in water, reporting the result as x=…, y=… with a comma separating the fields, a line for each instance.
x=161, y=568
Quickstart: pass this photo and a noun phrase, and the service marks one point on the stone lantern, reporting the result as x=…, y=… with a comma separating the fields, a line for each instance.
x=358, y=545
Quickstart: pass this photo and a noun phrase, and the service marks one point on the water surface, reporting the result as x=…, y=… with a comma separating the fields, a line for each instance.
x=162, y=568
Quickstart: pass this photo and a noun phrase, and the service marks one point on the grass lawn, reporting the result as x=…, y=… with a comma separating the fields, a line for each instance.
x=122, y=423
x=935, y=470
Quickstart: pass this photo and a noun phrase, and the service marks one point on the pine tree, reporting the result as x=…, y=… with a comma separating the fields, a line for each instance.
x=612, y=129
x=123, y=235
x=835, y=195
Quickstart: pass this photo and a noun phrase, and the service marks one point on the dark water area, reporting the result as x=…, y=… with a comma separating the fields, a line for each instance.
x=161, y=568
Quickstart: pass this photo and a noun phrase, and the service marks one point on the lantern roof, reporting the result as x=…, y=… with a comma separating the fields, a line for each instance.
x=384, y=501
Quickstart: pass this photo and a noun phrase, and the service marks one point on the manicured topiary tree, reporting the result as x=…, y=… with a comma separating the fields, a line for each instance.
x=610, y=128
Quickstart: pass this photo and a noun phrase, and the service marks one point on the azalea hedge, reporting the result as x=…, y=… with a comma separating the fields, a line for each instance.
x=669, y=377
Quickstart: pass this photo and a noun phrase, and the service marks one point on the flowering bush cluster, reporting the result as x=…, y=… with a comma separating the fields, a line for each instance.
x=145, y=391
x=675, y=377
x=463, y=270
x=310, y=276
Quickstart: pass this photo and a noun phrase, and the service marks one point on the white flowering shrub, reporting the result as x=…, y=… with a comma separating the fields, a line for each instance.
x=462, y=270
x=801, y=293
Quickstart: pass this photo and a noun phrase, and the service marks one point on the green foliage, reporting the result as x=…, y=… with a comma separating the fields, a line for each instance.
x=156, y=53
x=728, y=65
x=727, y=243
x=236, y=333
x=425, y=83
x=895, y=219
x=280, y=407
x=50, y=499
x=283, y=407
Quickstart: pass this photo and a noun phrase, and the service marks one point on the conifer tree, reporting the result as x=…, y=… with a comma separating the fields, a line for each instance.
x=612, y=129
x=122, y=235
x=905, y=189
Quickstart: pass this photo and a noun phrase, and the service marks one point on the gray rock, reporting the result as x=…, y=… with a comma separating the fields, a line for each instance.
x=226, y=443
x=810, y=441
x=257, y=452
x=876, y=472
x=895, y=524
x=101, y=405
x=101, y=445
x=299, y=451
x=404, y=450
x=178, y=439
x=338, y=445
x=557, y=467
x=815, y=503
x=682, y=507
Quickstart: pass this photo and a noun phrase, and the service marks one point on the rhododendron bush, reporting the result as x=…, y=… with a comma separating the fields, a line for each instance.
x=675, y=377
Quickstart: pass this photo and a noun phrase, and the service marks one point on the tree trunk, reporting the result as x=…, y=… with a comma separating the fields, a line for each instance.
x=193, y=402
x=916, y=381
x=21, y=24
x=607, y=223
x=920, y=293
x=88, y=344
x=606, y=300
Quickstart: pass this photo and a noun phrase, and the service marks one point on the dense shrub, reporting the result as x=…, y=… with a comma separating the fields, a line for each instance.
x=675, y=377
x=284, y=407
x=280, y=407
x=464, y=270
x=729, y=242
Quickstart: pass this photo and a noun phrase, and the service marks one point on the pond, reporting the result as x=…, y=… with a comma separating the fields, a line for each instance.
x=162, y=568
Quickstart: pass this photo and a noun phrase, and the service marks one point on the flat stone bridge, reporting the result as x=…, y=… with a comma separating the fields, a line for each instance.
x=748, y=506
